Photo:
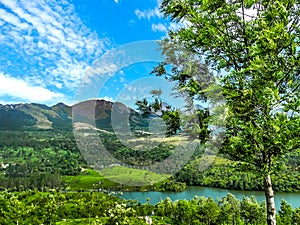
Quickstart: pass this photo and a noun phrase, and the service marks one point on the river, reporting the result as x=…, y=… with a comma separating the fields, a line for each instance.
x=292, y=198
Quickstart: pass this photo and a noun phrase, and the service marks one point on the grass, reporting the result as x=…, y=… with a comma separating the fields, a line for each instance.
x=175, y=140
x=88, y=179
x=113, y=178
x=132, y=177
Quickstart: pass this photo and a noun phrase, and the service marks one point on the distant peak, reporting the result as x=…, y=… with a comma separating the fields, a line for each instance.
x=60, y=104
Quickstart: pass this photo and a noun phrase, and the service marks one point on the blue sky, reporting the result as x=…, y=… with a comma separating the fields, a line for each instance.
x=48, y=46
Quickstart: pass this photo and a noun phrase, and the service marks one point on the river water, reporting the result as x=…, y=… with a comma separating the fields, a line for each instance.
x=292, y=198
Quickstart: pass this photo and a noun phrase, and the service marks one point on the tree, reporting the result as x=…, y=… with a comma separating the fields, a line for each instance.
x=230, y=209
x=285, y=212
x=192, y=81
x=252, y=47
x=252, y=212
x=144, y=107
x=208, y=211
x=157, y=107
x=296, y=217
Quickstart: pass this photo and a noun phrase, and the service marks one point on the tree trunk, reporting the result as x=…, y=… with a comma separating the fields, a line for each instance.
x=271, y=209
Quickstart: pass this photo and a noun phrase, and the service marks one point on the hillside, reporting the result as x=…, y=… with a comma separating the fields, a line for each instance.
x=35, y=116
x=32, y=116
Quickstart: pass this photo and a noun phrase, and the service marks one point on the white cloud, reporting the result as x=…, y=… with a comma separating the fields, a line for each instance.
x=106, y=98
x=148, y=14
x=20, y=89
x=116, y=1
x=98, y=73
x=154, y=14
x=159, y=27
x=10, y=18
x=48, y=34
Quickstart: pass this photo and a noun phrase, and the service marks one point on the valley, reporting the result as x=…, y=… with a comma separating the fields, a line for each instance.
x=42, y=165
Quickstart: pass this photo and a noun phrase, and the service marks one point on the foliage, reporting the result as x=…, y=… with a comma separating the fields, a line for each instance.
x=156, y=107
x=257, y=58
x=286, y=213
x=173, y=122
x=32, y=207
x=228, y=174
x=261, y=86
x=37, y=159
x=144, y=156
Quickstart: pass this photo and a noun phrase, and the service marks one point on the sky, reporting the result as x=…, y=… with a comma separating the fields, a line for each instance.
x=49, y=48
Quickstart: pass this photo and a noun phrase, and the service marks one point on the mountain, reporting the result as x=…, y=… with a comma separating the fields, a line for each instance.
x=35, y=116
x=59, y=117
x=99, y=113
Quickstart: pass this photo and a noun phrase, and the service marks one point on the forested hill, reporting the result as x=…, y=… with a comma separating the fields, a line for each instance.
x=34, y=116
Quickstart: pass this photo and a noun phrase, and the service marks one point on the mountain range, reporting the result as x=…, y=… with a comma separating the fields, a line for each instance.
x=33, y=116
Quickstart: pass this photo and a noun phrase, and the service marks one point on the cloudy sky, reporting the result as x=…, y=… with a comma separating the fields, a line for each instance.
x=49, y=46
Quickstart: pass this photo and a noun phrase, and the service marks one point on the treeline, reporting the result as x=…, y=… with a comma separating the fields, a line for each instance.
x=38, y=139
x=145, y=156
x=228, y=175
x=25, y=161
x=37, y=159
x=40, y=181
x=32, y=207
x=141, y=154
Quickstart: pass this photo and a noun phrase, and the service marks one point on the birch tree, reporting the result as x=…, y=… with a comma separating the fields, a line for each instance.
x=254, y=46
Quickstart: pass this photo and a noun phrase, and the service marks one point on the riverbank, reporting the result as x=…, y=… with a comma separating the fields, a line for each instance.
x=215, y=193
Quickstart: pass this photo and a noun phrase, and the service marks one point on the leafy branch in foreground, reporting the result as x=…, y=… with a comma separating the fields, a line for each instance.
x=155, y=107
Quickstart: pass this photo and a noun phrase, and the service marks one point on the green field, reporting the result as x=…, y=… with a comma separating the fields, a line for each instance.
x=113, y=178
x=132, y=177
x=87, y=179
